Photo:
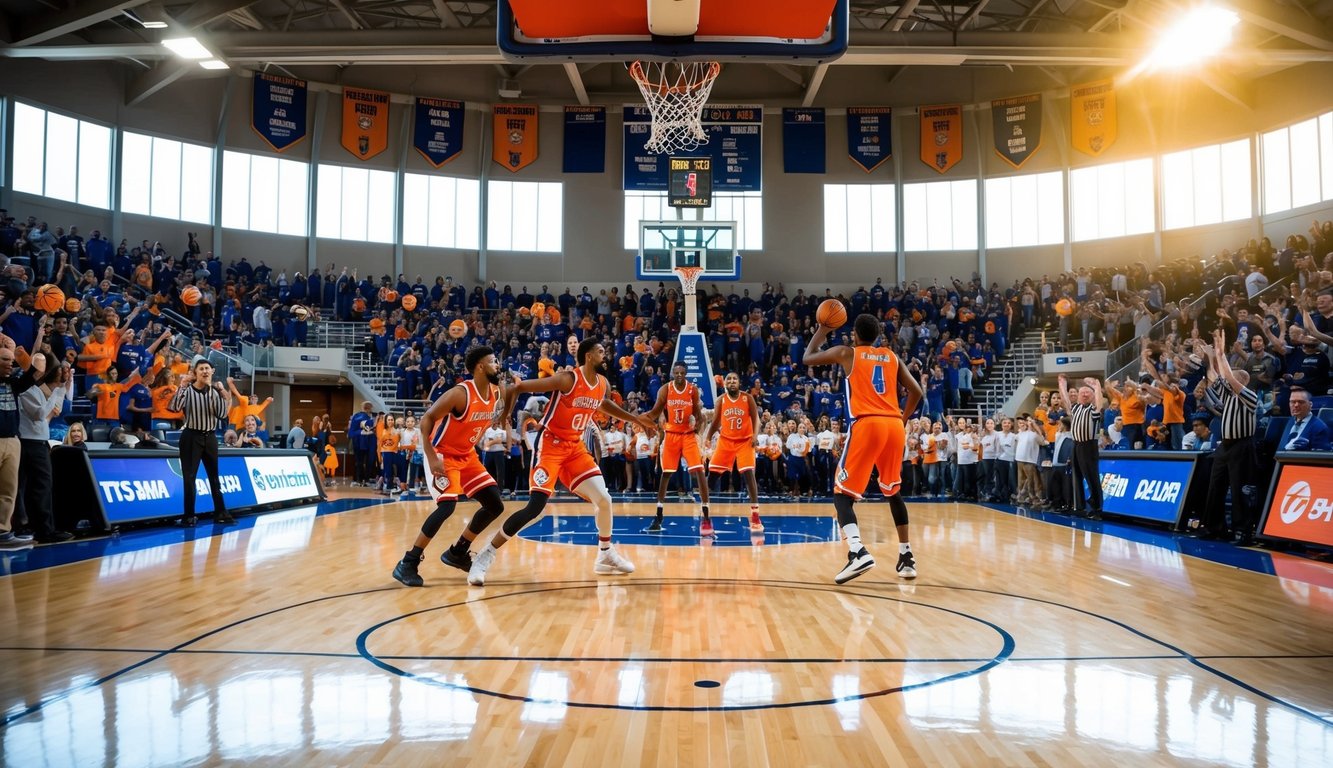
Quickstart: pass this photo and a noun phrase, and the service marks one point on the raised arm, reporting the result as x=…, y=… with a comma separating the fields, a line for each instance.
x=560, y=381
x=1064, y=389
x=915, y=392
x=1224, y=365
x=840, y=355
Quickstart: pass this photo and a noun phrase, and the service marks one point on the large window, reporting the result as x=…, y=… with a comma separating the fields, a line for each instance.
x=1207, y=185
x=1112, y=200
x=441, y=211
x=265, y=194
x=355, y=204
x=525, y=216
x=859, y=218
x=744, y=208
x=61, y=157
x=1025, y=210
x=165, y=178
x=940, y=216
x=1298, y=164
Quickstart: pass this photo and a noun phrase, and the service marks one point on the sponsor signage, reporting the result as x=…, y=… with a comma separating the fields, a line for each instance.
x=1146, y=487
x=151, y=487
x=1300, y=507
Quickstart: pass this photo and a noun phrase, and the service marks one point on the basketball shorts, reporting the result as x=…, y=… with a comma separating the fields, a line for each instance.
x=463, y=476
x=740, y=452
x=873, y=442
x=556, y=459
x=678, y=445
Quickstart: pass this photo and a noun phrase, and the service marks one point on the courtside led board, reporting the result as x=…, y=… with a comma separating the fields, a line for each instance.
x=690, y=182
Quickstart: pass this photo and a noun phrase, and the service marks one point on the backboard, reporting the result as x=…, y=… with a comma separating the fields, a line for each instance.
x=664, y=245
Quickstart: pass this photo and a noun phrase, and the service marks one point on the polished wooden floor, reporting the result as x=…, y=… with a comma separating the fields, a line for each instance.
x=1022, y=643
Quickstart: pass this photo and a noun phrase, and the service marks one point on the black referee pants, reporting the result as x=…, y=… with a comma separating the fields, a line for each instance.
x=196, y=447
x=1085, y=466
x=1233, y=462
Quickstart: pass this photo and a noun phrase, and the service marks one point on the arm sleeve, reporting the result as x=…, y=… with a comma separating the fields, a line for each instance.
x=178, y=399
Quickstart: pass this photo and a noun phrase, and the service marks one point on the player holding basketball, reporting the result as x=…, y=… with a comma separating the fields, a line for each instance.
x=678, y=400
x=559, y=454
x=735, y=417
x=875, y=437
x=455, y=422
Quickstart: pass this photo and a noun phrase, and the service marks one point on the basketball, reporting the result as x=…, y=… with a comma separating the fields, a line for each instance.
x=72, y=306
x=831, y=314
x=391, y=296
x=358, y=305
x=457, y=329
x=50, y=299
x=1064, y=307
x=409, y=302
x=191, y=296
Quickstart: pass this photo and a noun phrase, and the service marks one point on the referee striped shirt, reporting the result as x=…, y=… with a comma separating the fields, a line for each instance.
x=204, y=409
x=1084, y=420
x=1237, y=411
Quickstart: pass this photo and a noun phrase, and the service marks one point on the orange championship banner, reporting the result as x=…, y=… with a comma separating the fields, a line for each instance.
x=1301, y=508
x=942, y=136
x=514, y=139
x=1092, y=116
x=365, y=122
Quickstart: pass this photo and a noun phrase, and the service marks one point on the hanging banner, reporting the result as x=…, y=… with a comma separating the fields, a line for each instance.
x=1092, y=116
x=1016, y=124
x=735, y=143
x=365, y=122
x=514, y=139
x=585, y=140
x=869, y=135
x=277, y=112
x=437, y=129
x=942, y=136
x=803, y=140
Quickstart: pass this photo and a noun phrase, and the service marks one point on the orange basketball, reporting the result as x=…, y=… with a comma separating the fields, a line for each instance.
x=50, y=299
x=409, y=302
x=553, y=316
x=831, y=314
x=358, y=305
x=376, y=323
x=72, y=306
x=391, y=296
x=539, y=310
x=191, y=296
x=1064, y=307
x=458, y=329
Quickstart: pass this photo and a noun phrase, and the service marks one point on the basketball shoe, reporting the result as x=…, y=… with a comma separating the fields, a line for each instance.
x=706, y=527
x=756, y=525
x=906, y=565
x=655, y=526
x=857, y=563
x=457, y=559
x=608, y=561
x=406, y=570
x=476, y=575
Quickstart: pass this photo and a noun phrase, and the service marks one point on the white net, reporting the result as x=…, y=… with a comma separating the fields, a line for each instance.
x=675, y=92
x=689, y=278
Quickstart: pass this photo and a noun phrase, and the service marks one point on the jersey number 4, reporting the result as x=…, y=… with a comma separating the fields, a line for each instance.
x=877, y=380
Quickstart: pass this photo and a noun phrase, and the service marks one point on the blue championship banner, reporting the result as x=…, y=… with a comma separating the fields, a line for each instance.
x=735, y=143
x=803, y=140
x=278, y=111
x=869, y=136
x=1016, y=124
x=437, y=131
x=692, y=352
x=585, y=140
x=1149, y=487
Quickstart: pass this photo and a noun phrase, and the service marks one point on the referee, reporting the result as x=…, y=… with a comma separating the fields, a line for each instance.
x=1234, y=459
x=1085, y=416
x=205, y=404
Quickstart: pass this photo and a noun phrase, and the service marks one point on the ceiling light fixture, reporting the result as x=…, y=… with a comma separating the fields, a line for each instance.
x=214, y=64
x=187, y=48
x=148, y=16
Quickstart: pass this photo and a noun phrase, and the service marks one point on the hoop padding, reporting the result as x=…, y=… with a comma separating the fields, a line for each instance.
x=676, y=92
x=689, y=278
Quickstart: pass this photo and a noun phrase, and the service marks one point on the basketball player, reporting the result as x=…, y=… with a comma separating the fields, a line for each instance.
x=874, y=439
x=678, y=400
x=455, y=422
x=559, y=454
x=735, y=417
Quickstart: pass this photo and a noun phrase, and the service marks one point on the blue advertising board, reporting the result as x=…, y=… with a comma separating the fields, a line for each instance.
x=150, y=486
x=692, y=351
x=735, y=143
x=1146, y=485
x=585, y=140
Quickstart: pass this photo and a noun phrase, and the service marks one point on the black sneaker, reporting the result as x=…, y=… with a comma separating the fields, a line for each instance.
x=224, y=519
x=55, y=537
x=457, y=559
x=906, y=565
x=188, y=522
x=857, y=564
x=655, y=526
x=406, y=570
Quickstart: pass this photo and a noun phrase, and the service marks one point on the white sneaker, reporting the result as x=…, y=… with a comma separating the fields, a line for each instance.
x=476, y=576
x=857, y=564
x=906, y=565
x=611, y=561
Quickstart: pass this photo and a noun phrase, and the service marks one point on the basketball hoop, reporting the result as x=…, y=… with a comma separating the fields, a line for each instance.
x=689, y=278
x=676, y=92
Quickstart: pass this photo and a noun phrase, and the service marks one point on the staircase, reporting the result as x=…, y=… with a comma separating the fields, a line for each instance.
x=364, y=369
x=1019, y=363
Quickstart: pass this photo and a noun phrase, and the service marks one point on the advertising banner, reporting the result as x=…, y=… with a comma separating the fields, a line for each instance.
x=365, y=122
x=1146, y=487
x=1016, y=125
x=514, y=135
x=869, y=136
x=735, y=143
x=437, y=129
x=803, y=140
x=942, y=136
x=1301, y=505
x=585, y=140
x=278, y=110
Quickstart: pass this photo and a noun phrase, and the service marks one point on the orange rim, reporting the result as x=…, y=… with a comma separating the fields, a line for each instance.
x=637, y=72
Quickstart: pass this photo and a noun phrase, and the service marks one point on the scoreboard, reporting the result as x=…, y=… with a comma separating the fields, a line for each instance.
x=690, y=182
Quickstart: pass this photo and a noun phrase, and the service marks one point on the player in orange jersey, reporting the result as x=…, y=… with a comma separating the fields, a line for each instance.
x=875, y=438
x=452, y=426
x=735, y=418
x=559, y=454
x=677, y=402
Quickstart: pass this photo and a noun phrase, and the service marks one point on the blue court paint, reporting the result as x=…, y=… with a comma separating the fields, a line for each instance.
x=680, y=531
x=707, y=684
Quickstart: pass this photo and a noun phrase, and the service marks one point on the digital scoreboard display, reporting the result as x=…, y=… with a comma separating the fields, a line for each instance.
x=690, y=183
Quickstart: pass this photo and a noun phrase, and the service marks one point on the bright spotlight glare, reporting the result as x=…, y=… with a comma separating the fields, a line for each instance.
x=1196, y=36
x=187, y=48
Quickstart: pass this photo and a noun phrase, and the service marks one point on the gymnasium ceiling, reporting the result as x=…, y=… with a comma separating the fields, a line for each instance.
x=447, y=47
